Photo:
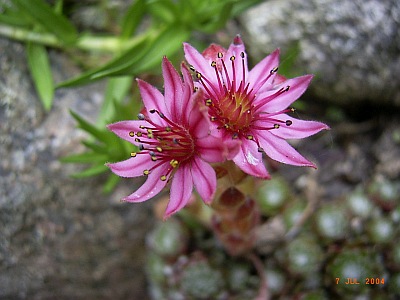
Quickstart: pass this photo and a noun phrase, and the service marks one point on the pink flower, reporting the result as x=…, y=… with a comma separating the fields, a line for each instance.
x=252, y=106
x=174, y=142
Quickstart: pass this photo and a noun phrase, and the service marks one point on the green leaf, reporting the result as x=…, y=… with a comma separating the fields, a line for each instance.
x=92, y=171
x=39, y=67
x=168, y=42
x=13, y=17
x=99, y=134
x=86, y=157
x=164, y=10
x=96, y=147
x=116, y=90
x=143, y=56
x=132, y=18
x=287, y=66
x=123, y=61
x=241, y=6
x=111, y=182
x=44, y=15
x=58, y=7
x=221, y=18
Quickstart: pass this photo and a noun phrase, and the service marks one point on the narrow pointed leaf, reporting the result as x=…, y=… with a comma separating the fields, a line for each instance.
x=223, y=16
x=120, y=62
x=39, y=67
x=132, y=18
x=86, y=157
x=116, y=90
x=164, y=10
x=166, y=44
x=12, y=16
x=96, y=147
x=92, y=171
x=241, y=6
x=90, y=128
x=44, y=15
x=111, y=182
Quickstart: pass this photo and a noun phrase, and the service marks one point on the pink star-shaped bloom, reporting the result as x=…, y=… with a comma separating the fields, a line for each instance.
x=251, y=106
x=174, y=142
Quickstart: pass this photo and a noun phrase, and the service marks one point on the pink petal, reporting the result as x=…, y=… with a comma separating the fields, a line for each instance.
x=198, y=62
x=187, y=94
x=212, y=51
x=206, y=179
x=132, y=167
x=199, y=122
x=263, y=69
x=173, y=90
x=279, y=150
x=249, y=159
x=152, y=186
x=181, y=189
x=298, y=129
x=212, y=149
x=152, y=97
x=124, y=128
x=297, y=85
x=237, y=49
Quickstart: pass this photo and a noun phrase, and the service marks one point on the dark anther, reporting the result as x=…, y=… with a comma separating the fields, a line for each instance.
x=141, y=147
x=287, y=88
x=220, y=55
x=232, y=58
x=260, y=149
x=140, y=116
x=242, y=54
x=152, y=111
x=288, y=122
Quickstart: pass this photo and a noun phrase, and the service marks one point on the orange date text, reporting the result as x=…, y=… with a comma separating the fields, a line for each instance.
x=355, y=281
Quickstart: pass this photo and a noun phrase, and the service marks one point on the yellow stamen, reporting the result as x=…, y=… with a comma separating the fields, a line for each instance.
x=174, y=163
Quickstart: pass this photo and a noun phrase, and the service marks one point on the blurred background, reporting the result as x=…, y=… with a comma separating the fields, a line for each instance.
x=68, y=67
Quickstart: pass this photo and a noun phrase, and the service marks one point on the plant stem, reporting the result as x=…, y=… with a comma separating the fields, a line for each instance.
x=84, y=42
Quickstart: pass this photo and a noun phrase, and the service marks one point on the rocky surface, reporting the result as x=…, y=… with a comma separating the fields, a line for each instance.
x=352, y=46
x=60, y=238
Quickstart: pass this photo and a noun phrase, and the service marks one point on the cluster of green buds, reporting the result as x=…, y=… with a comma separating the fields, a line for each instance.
x=344, y=248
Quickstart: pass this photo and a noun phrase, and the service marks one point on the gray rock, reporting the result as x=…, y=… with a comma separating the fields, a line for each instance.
x=60, y=238
x=352, y=46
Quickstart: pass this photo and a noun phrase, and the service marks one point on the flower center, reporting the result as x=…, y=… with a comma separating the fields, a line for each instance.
x=163, y=143
x=231, y=103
